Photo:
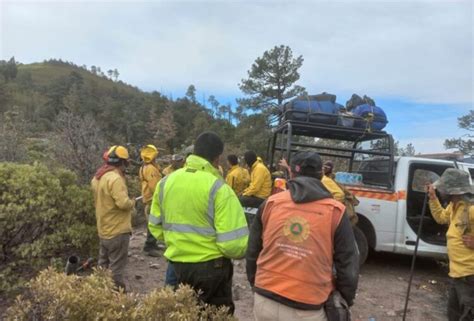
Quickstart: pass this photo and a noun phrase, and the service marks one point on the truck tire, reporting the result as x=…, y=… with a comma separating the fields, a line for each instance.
x=362, y=244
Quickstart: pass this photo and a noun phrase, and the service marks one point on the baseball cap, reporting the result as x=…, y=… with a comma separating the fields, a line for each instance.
x=306, y=162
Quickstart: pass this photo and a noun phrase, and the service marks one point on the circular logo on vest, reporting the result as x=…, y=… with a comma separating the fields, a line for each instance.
x=296, y=229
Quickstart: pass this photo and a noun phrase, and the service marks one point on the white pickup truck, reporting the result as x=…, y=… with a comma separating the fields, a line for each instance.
x=391, y=193
x=389, y=218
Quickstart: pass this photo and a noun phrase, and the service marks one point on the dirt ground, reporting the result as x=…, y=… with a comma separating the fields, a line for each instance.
x=381, y=294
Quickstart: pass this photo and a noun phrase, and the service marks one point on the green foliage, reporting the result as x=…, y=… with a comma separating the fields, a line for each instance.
x=409, y=150
x=463, y=144
x=43, y=93
x=271, y=79
x=55, y=296
x=191, y=93
x=253, y=133
x=8, y=69
x=12, y=134
x=43, y=215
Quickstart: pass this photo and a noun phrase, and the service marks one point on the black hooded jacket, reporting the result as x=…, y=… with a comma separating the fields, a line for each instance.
x=305, y=189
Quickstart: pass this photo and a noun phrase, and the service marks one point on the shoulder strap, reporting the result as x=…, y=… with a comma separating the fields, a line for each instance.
x=142, y=168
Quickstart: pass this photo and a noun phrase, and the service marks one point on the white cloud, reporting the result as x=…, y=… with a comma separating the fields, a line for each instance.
x=419, y=50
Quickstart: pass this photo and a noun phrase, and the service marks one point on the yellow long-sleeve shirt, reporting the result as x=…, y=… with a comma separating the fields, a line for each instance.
x=149, y=176
x=238, y=178
x=113, y=207
x=260, y=181
x=461, y=258
x=333, y=188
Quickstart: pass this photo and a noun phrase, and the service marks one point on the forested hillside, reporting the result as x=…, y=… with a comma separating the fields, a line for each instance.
x=56, y=120
x=59, y=110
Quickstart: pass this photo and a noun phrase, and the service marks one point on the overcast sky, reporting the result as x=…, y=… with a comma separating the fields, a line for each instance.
x=414, y=57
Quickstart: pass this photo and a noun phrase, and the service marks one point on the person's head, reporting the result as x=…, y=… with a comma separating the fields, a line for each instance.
x=148, y=153
x=209, y=146
x=232, y=159
x=177, y=161
x=454, y=183
x=250, y=158
x=328, y=166
x=118, y=156
x=307, y=164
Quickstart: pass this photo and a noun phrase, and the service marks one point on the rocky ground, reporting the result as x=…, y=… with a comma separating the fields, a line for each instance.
x=381, y=294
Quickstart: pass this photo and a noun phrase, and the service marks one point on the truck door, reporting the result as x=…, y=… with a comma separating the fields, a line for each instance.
x=421, y=174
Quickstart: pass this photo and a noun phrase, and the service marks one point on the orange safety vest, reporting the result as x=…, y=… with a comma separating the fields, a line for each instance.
x=296, y=261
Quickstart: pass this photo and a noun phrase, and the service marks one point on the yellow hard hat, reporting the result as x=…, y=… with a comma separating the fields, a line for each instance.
x=149, y=153
x=116, y=153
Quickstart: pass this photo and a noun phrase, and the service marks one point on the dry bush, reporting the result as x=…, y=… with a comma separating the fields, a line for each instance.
x=79, y=144
x=56, y=296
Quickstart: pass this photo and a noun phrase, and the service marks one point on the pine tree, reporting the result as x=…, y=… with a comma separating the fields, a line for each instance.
x=271, y=79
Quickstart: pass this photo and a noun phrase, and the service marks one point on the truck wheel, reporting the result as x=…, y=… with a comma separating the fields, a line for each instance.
x=362, y=244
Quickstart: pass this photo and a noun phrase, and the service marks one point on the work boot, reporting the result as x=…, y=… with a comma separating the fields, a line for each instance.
x=154, y=252
x=151, y=248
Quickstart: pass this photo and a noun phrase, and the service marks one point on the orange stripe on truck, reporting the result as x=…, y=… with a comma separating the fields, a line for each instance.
x=379, y=195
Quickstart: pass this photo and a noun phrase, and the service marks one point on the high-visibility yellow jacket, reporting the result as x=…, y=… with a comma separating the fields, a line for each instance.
x=238, y=178
x=333, y=188
x=113, y=207
x=149, y=175
x=197, y=215
x=461, y=258
x=260, y=181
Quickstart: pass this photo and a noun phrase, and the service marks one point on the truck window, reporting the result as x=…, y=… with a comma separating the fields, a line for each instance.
x=372, y=161
x=421, y=174
x=421, y=178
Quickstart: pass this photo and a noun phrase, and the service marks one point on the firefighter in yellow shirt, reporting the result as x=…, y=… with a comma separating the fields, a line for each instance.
x=113, y=209
x=238, y=177
x=260, y=181
x=339, y=192
x=149, y=175
x=459, y=215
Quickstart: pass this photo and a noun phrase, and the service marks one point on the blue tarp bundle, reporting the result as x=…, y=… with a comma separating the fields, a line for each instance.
x=317, y=109
x=374, y=117
x=323, y=109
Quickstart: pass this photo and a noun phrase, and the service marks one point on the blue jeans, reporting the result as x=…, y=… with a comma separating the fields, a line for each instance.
x=171, y=278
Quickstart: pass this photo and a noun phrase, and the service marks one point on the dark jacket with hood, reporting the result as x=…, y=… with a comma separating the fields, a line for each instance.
x=305, y=189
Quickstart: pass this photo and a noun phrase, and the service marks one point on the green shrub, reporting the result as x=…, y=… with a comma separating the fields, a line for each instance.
x=44, y=217
x=55, y=296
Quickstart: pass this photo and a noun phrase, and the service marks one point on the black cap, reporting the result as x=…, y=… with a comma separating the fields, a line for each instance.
x=307, y=164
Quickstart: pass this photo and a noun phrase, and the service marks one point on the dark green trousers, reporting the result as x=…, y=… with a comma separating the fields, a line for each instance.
x=461, y=299
x=213, y=278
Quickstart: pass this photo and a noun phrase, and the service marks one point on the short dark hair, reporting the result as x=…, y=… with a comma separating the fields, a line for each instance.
x=233, y=160
x=208, y=145
x=250, y=157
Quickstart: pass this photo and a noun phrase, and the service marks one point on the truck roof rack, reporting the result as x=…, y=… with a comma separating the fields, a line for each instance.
x=283, y=141
x=320, y=130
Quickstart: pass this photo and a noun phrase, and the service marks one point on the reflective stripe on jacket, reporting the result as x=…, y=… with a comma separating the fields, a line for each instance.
x=238, y=178
x=198, y=216
x=296, y=261
x=260, y=181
